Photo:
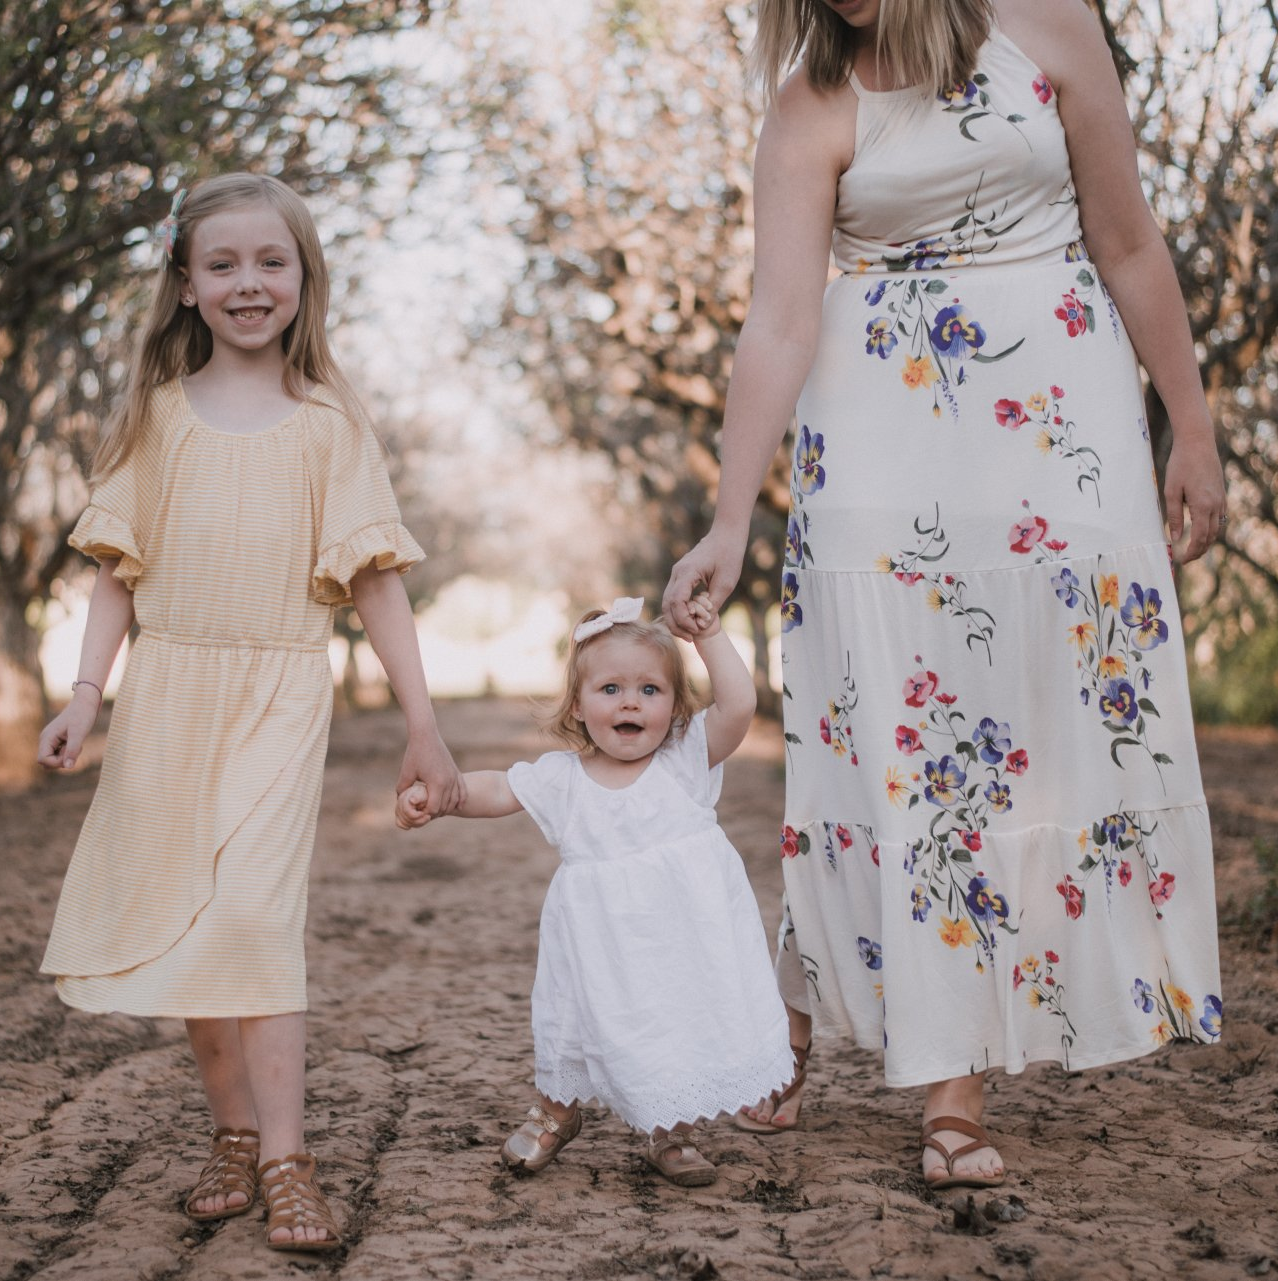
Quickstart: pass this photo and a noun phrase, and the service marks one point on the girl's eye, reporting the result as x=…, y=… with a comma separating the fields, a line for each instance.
x=273, y=262
x=610, y=688
x=650, y=689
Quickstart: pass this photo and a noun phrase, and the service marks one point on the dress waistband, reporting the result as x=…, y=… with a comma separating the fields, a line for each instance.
x=219, y=642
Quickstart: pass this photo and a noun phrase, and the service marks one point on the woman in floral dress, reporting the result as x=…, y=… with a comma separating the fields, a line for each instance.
x=996, y=847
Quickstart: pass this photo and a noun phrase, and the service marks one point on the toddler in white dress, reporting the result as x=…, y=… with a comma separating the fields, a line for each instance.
x=654, y=993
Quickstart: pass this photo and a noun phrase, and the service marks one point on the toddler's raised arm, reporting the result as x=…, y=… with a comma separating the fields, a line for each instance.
x=731, y=685
x=488, y=795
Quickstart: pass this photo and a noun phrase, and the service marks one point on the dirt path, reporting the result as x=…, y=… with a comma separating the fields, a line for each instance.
x=421, y=955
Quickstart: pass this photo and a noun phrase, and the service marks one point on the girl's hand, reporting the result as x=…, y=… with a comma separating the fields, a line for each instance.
x=704, y=615
x=714, y=564
x=412, y=807
x=63, y=737
x=1195, y=481
x=429, y=762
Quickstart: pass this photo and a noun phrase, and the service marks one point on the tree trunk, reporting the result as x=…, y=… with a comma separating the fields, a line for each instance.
x=22, y=701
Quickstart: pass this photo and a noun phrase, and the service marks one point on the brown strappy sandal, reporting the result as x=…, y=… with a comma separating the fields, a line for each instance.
x=751, y=1126
x=294, y=1200
x=232, y=1168
x=980, y=1139
x=675, y=1157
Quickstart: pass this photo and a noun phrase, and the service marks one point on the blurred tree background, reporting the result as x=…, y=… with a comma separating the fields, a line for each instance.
x=611, y=165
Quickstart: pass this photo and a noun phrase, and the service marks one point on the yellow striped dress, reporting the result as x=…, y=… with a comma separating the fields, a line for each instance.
x=186, y=895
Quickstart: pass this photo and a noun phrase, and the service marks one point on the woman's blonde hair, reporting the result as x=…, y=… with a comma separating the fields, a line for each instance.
x=929, y=43
x=567, y=728
x=175, y=339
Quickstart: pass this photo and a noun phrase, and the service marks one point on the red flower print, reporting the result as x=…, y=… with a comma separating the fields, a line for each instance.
x=907, y=578
x=1124, y=873
x=1052, y=958
x=1017, y=977
x=947, y=699
x=1073, y=896
x=789, y=842
x=971, y=839
x=1025, y=533
x=874, y=854
x=1017, y=761
x=1073, y=312
x=908, y=740
x=844, y=836
x=1057, y=392
x=1042, y=88
x=1161, y=890
x=1049, y=981
x=919, y=688
x=825, y=729
x=1010, y=413
x=1056, y=544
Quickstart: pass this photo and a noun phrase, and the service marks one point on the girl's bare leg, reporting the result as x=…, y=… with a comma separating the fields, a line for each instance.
x=220, y=1059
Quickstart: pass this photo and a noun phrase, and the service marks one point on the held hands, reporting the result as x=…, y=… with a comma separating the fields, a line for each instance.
x=704, y=616
x=714, y=564
x=411, y=807
x=1195, y=481
x=428, y=766
x=63, y=737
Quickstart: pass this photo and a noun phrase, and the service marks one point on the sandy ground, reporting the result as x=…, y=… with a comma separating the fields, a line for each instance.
x=421, y=953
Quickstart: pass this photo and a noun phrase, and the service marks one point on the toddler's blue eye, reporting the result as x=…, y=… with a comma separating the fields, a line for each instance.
x=650, y=689
x=610, y=688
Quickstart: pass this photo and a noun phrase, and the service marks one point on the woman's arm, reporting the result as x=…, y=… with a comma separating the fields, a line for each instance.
x=732, y=688
x=1127, y=247
x=383, y=607
x=110, y=617
x=488, y=795
x=803, y=148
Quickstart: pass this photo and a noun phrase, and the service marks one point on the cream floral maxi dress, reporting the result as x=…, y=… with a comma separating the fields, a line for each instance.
x=996, y=847
x=186, y=895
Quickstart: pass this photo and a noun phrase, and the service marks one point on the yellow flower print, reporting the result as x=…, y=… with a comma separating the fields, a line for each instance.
x=935, y=601
x=919, y=373
x=878, y=991
x=883, y=563
x=1112, y=665
x=1163, y=1033
x=839, y=747
x=1180, y=998
x=1036, y=403
x=896, y=789
x=1044, y=442
x=1035, y=997
x=1082, y=838
x=956, y=933
x=1081, y=634
x=1030, y=965
x=1109, y=590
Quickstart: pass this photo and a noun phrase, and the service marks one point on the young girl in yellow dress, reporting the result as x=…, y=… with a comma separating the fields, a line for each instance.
x=239, y=496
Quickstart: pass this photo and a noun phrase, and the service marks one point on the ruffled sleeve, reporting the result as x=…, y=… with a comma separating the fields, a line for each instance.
x=104, y=535
x=688, y=759
x=543, y=788
x=357, y=517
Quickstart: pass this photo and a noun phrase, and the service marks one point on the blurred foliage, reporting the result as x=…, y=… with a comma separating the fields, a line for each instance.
x=106, y=109
x=1257, y=916
x=1240, y=683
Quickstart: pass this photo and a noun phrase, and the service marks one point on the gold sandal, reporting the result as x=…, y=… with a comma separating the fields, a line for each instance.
x=524, y=1150
x=232, y=1168
x=751, y=1126
x=980, y=1139
x=294, y=1200
x=675, y=1157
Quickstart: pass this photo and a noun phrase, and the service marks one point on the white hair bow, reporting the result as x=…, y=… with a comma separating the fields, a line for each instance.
x=625, y=609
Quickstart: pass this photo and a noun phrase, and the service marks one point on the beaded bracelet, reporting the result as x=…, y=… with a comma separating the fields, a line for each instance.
x=91, y=685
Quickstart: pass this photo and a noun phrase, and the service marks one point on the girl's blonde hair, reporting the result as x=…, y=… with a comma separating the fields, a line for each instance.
x=563, y=725
x=175, y=339
x=929, y=43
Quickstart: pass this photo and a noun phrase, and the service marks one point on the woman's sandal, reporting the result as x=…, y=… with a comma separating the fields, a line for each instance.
x=675, y=1157
x=232, y=1168
x=524, y=1150
x=779, y=1098
x=294, y=1200
x=980, y=1139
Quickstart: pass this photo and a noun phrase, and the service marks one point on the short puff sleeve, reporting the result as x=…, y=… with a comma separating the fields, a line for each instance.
x=356, y=516
x=543, y=787
x=688, y=759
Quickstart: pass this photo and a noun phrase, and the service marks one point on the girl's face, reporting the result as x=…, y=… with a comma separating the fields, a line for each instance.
x=626, y=699
x=856, y=13
x=244, y=273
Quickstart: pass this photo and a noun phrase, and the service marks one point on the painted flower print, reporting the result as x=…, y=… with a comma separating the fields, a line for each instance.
x=1113, y=656
x=1028, y=536
x=970, y=100
x=807, y=477
x=1077, y=315
x=1177, y=1014
x=1109, y=847
x=1044, y=991
x=808, y=452
x=835, y=726
x=1056, y=433
x=1042, y=87
x=947, y=593
x=881, y=339
x=871, y=953
x=791, y=610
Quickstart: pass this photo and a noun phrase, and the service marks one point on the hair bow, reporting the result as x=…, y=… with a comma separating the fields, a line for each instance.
x=169, y=227
x=625, y=609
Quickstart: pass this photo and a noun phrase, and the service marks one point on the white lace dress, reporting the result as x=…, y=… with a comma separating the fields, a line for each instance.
x=654, y=993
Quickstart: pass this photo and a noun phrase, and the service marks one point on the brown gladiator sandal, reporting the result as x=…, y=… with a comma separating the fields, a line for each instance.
x=747, y=1123
x=232, y=1168
x=294, y=1200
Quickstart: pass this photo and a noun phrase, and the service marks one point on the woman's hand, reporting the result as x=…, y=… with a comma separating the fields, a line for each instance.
x=714, y=564
x=428, y=761
x=1195, y=481
x=63, y=737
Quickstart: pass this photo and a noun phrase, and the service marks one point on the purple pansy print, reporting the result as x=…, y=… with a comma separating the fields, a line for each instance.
x=1118, y=702
x=920, y=904
x=1065, y=585
x=881, y=339
x=992, y=741
x=983, y=902
x=793, y=543
x=944, y=779
x=1213, y=1012
x=999, y=796
x=1140, y=612
x=955, y=333
x=808, y=452
x=791, y=612
x=871, y=953
x=1143, y=995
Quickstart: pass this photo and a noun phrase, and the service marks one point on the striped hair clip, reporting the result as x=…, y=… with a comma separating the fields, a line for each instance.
x=169, y=227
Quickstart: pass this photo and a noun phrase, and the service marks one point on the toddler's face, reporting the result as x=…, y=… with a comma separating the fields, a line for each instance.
x=626, y=699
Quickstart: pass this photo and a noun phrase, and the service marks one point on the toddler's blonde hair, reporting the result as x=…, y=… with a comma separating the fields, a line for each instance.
x=563, y=725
